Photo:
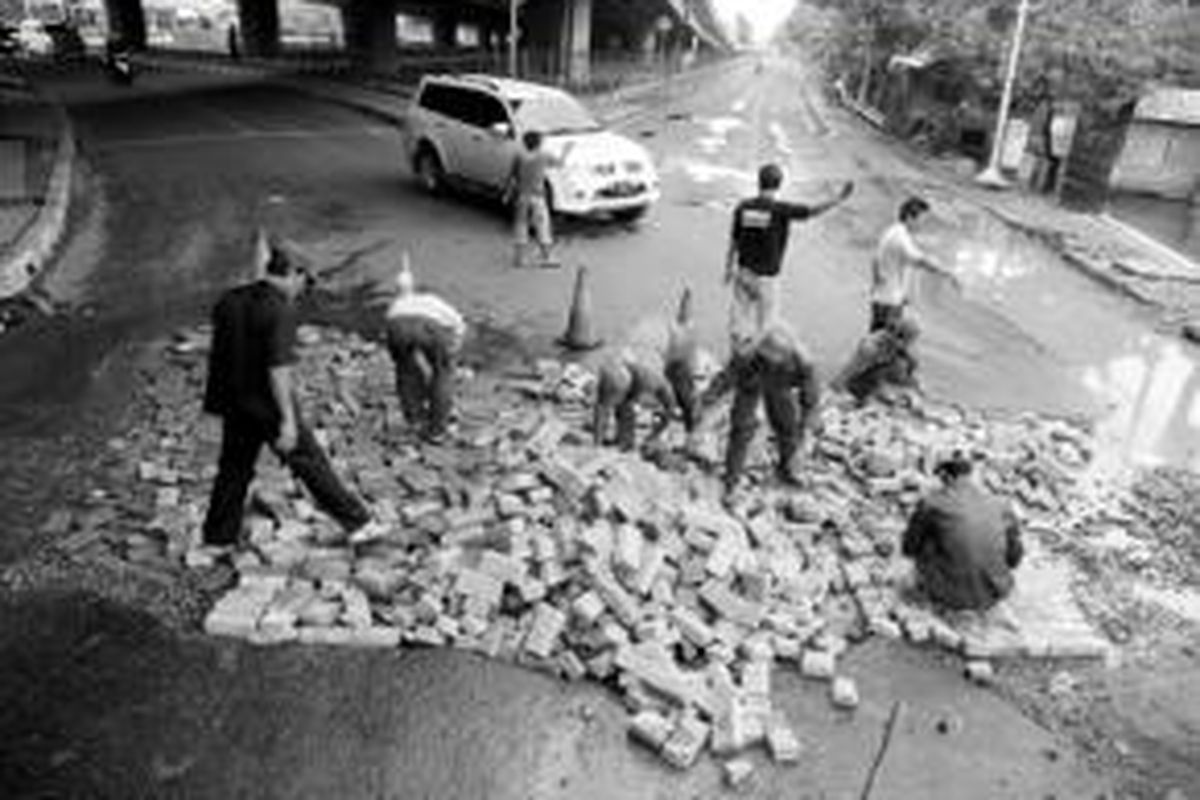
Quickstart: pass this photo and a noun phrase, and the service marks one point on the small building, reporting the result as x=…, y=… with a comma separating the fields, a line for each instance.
x=1161, y=154
x=929, y=93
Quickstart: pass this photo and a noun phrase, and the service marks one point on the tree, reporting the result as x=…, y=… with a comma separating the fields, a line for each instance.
x=743, y=30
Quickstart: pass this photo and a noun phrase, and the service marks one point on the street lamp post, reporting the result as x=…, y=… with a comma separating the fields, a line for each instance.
x=512, y=37
x=991, y=175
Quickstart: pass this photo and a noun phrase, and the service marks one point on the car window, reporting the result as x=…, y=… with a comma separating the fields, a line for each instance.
x=481, y=109
x=553, y=113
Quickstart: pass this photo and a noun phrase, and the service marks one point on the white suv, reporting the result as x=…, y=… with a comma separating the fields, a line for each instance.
x=466, y=130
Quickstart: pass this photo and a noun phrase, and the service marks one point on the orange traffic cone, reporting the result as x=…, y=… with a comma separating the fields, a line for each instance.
x=684, y=315
x=579, y=334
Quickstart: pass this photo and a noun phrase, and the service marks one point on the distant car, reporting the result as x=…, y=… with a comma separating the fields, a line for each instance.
x=33, y=38
x=8, y=41
x=465, y=130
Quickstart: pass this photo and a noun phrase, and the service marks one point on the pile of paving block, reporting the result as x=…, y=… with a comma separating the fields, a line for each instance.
x=520, y=540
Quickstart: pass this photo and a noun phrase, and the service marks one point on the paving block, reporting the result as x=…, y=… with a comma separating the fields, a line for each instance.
x=653, y=563
x=622, y=604
x=505, y=569
x=356, y=611
x=818, y=664
x=738, y=772
x=844, y=692
x=627, y=556
x=651, y=729
x=782, y=740
x=686, y=742
x=692, y=626
x=756, y=679
x=981, y=672
x=588, y=607
x=480, y=586
x=724, y=601
x=548, y=624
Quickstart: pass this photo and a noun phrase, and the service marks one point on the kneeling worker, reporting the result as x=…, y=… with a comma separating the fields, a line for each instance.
x=965, y=541
x=777, y=370
x=657, y=364
x=884, y=356
x=424, y=337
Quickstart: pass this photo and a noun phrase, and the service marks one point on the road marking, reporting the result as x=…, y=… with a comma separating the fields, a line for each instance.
x=241, y=136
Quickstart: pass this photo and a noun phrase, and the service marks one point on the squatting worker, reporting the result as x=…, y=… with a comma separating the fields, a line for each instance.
x=657, y=364
x=250, y=387
x=884, y=356
x=424, y=337
x=776, y=370
x=895, y=256
x=757, y=244
x=964, y=541
x=527, y=188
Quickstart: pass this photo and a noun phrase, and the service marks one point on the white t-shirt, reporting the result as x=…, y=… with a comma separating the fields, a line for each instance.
x=431, y=307
x=890, y=271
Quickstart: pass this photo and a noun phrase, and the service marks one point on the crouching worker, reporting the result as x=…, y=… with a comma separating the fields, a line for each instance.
x=964, y=541
x=776, y=370
x=424, y=336
x=885, y=356
x=657, y=365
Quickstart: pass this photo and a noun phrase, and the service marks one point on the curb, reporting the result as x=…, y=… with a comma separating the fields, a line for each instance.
x=28, y=254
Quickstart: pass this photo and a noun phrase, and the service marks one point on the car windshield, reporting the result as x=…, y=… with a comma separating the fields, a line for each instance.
x=553, y=114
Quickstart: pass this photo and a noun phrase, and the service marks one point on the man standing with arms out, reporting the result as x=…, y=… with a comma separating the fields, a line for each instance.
x=776, y=370
x=250, y=387
x=424, y=337
x=527, y=186
x=965, y=542
x=892, y=265
x=757, y=244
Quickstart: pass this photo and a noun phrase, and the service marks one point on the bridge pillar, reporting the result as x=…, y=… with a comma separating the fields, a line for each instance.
x=370, y=29
x=259, y=26
x=445, y=28
x=126, y=22
x=577, y=41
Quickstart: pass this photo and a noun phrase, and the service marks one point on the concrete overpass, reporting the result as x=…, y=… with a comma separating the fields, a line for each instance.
x=562, y=35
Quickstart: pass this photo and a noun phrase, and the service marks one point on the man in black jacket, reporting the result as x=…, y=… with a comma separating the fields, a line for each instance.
x=249, y=387
x=965, y=542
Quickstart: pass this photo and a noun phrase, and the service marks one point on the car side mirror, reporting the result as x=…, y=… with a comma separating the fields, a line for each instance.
x=501, y=130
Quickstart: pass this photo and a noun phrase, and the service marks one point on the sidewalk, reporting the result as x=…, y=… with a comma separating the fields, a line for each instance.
x=31, y=134
x=1104, y=248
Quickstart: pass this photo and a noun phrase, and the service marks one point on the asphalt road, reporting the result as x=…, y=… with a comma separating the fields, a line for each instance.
x=178, y=172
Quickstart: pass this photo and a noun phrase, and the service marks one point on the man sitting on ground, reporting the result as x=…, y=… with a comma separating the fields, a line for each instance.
x=964, y=541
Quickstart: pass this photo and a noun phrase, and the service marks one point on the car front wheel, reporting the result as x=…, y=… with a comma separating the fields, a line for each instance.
x=429, y=171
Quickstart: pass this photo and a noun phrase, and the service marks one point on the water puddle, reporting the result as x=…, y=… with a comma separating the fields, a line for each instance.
x=717, y=130
x=1144, y=386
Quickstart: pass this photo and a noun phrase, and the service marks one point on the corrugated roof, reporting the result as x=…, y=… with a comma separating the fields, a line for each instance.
x=1170, y=104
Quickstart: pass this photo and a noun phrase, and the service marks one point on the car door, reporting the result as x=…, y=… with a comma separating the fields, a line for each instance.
x=448, y=109
x=492, y=142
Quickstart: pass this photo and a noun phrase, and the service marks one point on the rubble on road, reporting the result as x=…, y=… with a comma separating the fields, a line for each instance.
x=519, y=540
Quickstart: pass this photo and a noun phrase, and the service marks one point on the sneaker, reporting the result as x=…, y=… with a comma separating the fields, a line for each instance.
x=207, y=556
x=373, y=531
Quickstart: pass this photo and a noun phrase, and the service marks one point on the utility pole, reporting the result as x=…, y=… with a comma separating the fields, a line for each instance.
x=512, y=38
x=991, y=175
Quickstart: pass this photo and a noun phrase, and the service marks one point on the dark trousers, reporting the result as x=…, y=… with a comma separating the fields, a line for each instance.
x=783, y=414
x=424, y=377
x=884, y=315
x=241, y=441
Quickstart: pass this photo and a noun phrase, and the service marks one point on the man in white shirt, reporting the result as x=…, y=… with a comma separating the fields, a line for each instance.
x=891, y=269
x=424, y=337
